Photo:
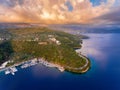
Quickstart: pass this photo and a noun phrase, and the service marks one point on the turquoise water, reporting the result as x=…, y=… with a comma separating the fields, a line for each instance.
x=104, y=53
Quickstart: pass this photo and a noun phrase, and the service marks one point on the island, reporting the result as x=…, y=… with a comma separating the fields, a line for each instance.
x=32, y=45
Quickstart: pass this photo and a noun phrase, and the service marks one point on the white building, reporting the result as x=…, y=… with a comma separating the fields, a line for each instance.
x=55, y=41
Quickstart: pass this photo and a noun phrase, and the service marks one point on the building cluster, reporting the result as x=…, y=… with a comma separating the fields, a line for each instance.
x=12, y=70
x=54, y=40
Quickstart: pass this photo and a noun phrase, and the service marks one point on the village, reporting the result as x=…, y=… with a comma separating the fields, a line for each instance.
x=13, y=69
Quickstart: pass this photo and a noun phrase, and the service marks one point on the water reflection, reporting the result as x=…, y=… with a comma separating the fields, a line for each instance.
x=99, y=46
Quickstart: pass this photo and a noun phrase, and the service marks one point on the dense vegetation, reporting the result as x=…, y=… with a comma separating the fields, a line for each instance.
x=5, y=51
x=25, y=44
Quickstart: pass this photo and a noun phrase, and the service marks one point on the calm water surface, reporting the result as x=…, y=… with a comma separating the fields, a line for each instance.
x=104, y=52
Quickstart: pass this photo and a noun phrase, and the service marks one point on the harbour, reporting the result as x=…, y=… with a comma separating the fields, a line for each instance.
x=12, y=69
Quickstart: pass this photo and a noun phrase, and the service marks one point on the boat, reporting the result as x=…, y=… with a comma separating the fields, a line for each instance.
x=7, y=72
x=11, y=70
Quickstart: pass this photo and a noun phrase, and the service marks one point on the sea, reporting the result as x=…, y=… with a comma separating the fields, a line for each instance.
x=103, y=50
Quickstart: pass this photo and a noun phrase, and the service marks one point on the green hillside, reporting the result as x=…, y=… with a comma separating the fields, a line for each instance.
x=54, y=46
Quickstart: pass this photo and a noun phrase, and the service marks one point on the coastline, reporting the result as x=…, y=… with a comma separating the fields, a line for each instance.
x=87, y=65
x=82, y=69
x=42, y=61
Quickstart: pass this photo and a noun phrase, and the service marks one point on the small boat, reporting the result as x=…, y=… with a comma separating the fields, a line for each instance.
x=11, y=70
x=7, y=72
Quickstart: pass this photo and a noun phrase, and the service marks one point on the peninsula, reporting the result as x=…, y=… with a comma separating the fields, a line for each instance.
x=48, y=47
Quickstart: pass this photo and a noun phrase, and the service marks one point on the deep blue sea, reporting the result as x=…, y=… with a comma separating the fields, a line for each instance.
x=104, y=53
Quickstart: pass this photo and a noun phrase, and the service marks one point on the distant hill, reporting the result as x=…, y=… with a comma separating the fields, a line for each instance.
x=19, y=25
x=87, y=28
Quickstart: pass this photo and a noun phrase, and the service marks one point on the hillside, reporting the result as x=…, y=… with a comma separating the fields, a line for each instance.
x=22, y=44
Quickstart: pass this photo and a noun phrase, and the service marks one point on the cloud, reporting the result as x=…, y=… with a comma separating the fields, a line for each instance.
x=52, y=11
x=112, y=17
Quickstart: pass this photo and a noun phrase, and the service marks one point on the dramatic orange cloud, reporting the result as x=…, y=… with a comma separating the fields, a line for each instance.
x=52, y=11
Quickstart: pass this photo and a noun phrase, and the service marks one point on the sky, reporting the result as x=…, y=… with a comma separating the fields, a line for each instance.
x=60, y=11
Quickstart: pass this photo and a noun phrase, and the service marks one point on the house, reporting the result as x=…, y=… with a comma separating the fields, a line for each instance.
x=58, y=42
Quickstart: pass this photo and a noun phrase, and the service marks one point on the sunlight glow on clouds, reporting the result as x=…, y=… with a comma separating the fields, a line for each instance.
x=53, y=11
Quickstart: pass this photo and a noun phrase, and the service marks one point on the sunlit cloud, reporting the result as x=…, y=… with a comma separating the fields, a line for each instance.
x=53, y=11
